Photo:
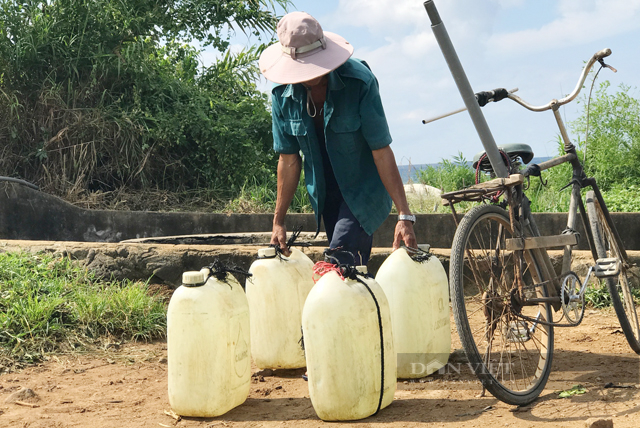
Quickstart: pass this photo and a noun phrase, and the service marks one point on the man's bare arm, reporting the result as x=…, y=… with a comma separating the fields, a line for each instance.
x=289, y=167
x=388, y=170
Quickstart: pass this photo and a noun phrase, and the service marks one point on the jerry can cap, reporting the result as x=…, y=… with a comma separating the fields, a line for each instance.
x=362, y=269
x=267, y=253
x=193, y=278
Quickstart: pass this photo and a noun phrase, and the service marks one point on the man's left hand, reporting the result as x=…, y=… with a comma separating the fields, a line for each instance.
x=404, y=232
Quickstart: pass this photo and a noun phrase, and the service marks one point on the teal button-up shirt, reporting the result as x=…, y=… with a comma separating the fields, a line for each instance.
x=354, y=125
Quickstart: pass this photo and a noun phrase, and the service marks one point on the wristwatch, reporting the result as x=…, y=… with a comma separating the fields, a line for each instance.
x=408, y=217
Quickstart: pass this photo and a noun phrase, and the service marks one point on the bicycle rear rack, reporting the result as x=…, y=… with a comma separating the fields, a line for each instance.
x=482, y=191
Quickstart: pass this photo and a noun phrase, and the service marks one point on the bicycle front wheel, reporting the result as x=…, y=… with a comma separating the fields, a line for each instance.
x=510, y=348
x=619, y=287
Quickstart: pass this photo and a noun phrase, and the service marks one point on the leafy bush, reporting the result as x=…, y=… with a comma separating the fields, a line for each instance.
x=623, y=199
x=611, y=154
x=100, y=95
x=613, y=145
x=448, y=175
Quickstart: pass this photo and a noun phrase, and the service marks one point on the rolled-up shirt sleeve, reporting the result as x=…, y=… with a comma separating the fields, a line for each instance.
x=282, y=142
x=373, y=120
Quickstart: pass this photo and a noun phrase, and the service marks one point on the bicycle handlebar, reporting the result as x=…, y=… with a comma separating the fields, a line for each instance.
x=554, y=104
x=485, y=97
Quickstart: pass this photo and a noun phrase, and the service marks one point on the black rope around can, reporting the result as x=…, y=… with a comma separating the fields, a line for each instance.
x=220, y=270
x=418, y=254
x=352, y=273
x=291, y=242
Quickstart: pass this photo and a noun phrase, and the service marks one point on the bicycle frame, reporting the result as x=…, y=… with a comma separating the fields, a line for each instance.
x=579, y=179
x=522, y=288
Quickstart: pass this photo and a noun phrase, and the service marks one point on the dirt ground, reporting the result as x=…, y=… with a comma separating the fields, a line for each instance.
x=127, y=388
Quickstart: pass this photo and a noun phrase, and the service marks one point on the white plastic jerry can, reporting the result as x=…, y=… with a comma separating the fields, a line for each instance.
x=208, y=347
x=348, y=342
x=418, y=295
x=276, y=292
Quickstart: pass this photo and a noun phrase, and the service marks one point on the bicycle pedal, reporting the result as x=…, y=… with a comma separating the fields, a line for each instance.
x=516, y=332
x=606, y=268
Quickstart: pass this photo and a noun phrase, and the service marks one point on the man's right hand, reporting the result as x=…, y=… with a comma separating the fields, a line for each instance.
x=279, y=237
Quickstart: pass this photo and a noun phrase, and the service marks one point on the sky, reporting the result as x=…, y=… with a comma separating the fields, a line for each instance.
x=538, y=46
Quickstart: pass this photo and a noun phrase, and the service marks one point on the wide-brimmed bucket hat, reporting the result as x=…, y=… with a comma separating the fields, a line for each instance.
x=304, y=52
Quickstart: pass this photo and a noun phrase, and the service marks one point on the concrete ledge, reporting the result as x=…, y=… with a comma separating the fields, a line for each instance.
x=28, y=214
x=164, y=264
x=161, y=263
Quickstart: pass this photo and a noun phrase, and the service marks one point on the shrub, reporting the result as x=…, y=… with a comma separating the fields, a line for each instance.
x=100, y=95
x=448, y=175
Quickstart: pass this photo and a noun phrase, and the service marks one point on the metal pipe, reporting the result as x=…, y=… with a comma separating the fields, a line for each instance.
x=460, y=110
x=18, y=181
x=587, y=228
x=563, y=131
x=442, y=116
x=557, y=103
x=557, y=161
x=571, y=225
x=537, y=300
x=607, y=216
x=468, y=96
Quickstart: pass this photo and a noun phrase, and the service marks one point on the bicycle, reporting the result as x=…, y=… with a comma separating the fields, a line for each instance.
x=504, y=288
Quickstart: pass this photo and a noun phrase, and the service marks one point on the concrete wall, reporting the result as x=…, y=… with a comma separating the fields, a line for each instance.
x=32, y=215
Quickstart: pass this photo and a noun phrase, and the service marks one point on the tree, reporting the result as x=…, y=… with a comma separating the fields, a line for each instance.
x=105, y=94
x=611, y=153
x=612, y=150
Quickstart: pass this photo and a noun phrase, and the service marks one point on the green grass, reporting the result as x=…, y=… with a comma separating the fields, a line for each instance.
x=51, y=304
x=260, y=197
x=597, y=295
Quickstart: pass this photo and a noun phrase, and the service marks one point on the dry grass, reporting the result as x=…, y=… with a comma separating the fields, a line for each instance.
x=148, y=200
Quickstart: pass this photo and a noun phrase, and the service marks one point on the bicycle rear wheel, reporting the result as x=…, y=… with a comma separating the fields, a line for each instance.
x=619, y=287
x=510, y=355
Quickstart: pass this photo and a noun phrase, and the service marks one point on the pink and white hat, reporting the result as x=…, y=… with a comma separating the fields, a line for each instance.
x=304, y=51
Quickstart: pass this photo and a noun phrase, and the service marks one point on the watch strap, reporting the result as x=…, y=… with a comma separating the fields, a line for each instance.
x=408, y=217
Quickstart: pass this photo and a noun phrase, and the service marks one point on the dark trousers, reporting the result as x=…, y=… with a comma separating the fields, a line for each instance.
x=348, y=242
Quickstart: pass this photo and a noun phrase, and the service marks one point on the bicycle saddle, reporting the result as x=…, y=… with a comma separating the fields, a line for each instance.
x=523, y=151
